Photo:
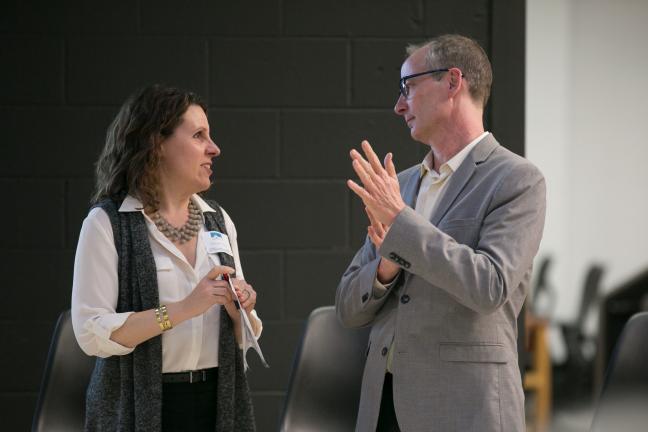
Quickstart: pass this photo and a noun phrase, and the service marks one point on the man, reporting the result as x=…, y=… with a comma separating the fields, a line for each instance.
x=447, y=262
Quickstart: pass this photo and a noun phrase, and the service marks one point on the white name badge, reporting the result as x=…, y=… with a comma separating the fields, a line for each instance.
x=217, y=242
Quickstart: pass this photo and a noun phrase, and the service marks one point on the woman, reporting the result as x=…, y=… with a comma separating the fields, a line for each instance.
x=146, y=266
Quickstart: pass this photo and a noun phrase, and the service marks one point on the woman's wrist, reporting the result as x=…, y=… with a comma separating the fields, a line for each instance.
x=181, y=311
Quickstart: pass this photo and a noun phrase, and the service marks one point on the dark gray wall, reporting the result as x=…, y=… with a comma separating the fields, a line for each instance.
x=292, y=85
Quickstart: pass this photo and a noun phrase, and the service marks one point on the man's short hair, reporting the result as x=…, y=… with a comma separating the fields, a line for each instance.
x=451, y=50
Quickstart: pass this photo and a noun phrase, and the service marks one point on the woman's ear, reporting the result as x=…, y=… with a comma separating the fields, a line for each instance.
x=160, y=142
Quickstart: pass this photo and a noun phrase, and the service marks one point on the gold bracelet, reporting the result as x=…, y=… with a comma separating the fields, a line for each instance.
x=162, y=317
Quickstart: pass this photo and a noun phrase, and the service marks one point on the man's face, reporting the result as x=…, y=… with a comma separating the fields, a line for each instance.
x=423, y=107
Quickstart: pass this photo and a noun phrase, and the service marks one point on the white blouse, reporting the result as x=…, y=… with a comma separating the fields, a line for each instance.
x=190, y=345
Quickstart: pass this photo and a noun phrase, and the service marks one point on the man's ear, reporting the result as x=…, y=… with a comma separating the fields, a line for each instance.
x=455, y=80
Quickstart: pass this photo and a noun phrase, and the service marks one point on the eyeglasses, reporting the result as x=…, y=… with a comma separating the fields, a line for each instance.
x=402, y=83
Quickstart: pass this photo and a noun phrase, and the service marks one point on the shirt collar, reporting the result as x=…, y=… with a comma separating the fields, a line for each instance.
x=132, y=204
x=454, y=162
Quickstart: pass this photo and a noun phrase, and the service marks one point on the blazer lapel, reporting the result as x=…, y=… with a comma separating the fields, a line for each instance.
x=463, y=174
x=410, y=187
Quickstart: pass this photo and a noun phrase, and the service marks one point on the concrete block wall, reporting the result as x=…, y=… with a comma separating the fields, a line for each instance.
x=292, y=85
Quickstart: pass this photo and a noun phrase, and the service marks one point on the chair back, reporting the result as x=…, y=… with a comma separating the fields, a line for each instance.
x=61, y=402
x=542, y=299
x=591, y=292
x=324, y=389
x=542, y=281
x=623, y=403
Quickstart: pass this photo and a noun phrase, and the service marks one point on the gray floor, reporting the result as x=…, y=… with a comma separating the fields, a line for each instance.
x=576, y=418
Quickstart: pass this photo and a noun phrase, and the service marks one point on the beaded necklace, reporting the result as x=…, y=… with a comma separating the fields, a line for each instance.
x=186, y=232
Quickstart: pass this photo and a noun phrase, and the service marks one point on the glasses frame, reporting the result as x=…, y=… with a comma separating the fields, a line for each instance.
x=402, y=83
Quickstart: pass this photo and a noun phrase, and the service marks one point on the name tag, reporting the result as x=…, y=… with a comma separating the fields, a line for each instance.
x=217, y=242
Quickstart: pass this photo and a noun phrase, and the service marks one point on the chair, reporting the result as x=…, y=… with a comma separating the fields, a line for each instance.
x=543, y=295
x=623, y=404
x=575, y=378
x=537, y=378
x=61, y=402
x=324, y=389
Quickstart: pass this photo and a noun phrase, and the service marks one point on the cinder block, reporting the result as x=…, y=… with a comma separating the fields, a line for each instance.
x=353, y=18
x=376, y=71
x=279, y=342
x=263, y=271
x=34, y=214
x=106, y=70
x=278, y=72
x=358, y=222
x=274, y=215
x=469, y=18
x=46, y=299
x=28, y=343
x=77, y=204
x=70, y=17
x=317, y=143
x=32, y=70
x=249, y=143
x=52, y=141
x=210, y=17
x=312, y=279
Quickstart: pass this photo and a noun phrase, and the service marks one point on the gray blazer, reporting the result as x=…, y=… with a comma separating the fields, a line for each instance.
x=452, y=312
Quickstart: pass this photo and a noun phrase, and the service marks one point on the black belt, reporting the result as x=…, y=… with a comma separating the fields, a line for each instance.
x=191, y=376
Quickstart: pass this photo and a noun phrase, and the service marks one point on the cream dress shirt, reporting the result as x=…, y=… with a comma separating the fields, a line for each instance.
x=190, y=345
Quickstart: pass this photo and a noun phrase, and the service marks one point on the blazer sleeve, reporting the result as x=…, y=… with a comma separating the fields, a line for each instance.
x=357, y=301
x=481, y=278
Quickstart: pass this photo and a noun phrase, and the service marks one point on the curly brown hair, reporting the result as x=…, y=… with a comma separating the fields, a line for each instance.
x=129, y=162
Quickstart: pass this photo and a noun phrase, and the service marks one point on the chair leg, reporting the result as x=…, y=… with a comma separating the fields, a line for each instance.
x=538, y=379
x=543, y=398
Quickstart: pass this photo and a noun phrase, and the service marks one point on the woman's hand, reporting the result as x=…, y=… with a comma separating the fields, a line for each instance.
x=246, y=294
x=211, y=291
x=247, y=297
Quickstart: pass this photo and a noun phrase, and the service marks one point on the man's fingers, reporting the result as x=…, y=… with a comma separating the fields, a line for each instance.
x=369, y=215
x=372, y=234
x=219, y=270
x=368, y=185
x=359, y=190
x=378, y=227
x=372, y=219
x=364, y=176
x=362, y=163
x=372, y=157
x=389, y=165
x=369, y=170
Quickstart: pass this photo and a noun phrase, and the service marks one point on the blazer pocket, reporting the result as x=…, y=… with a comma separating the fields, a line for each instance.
x=474, y=353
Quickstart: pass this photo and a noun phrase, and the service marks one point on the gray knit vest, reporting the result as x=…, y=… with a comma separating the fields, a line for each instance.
x=125, y=392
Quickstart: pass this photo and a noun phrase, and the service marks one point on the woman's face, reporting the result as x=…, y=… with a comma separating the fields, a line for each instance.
x=186, y=155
